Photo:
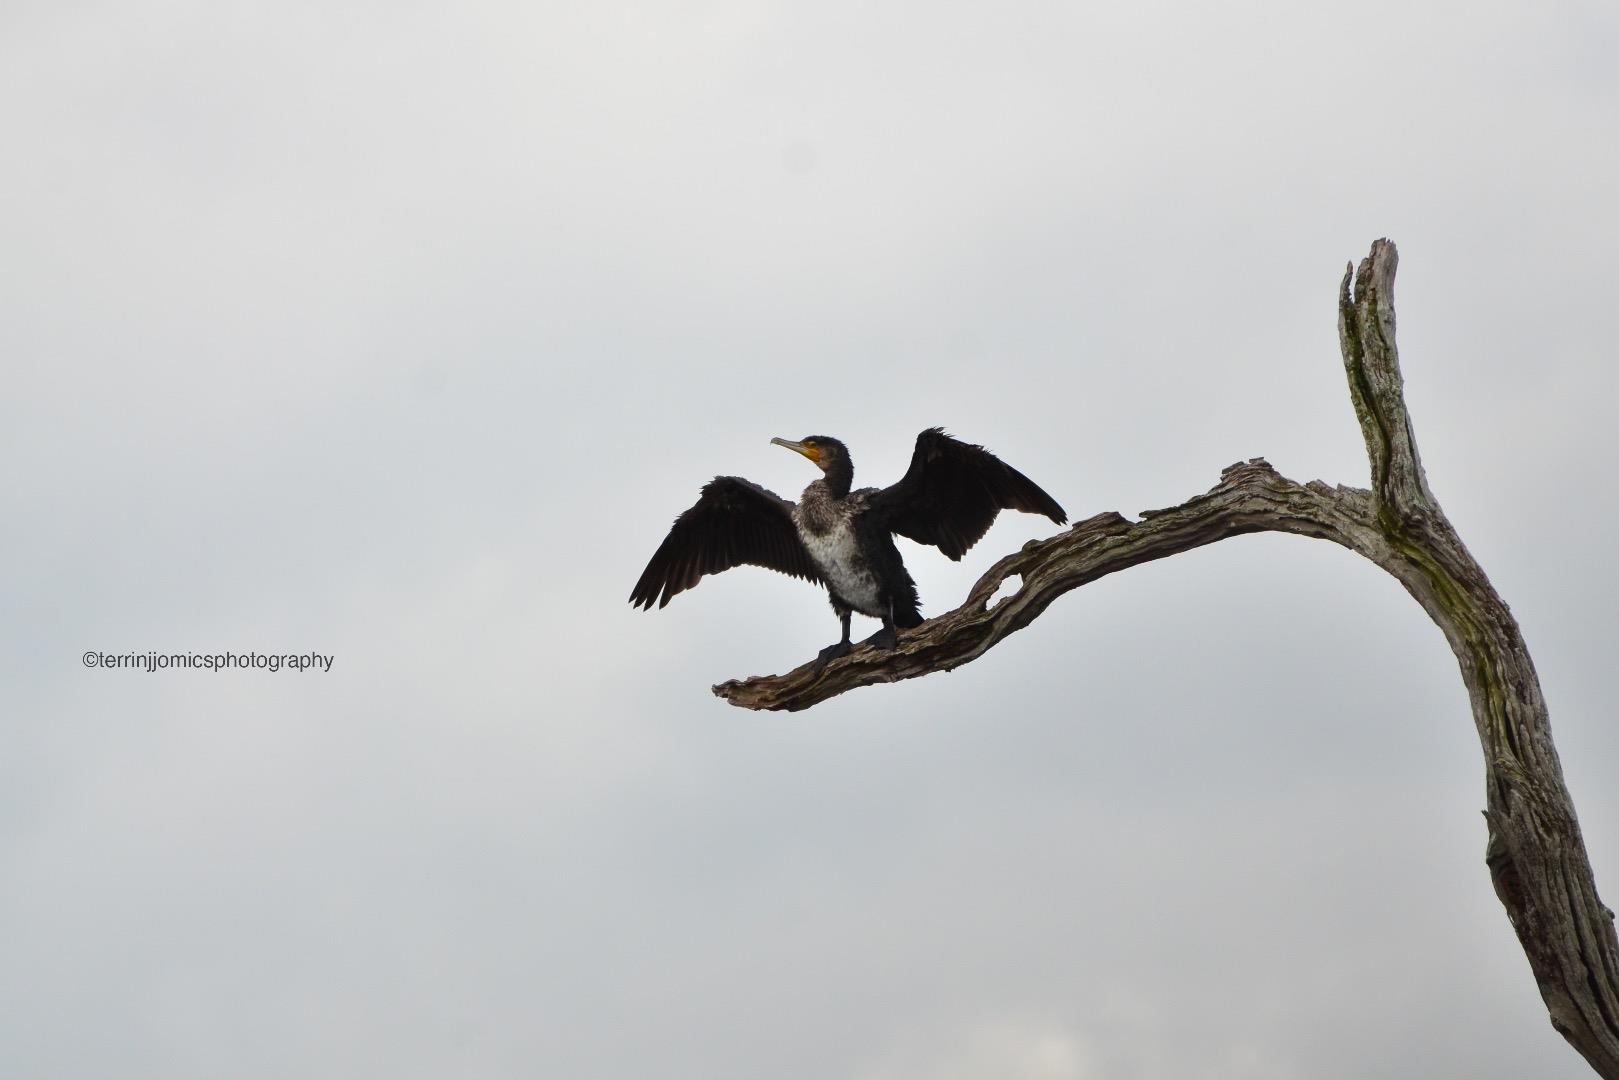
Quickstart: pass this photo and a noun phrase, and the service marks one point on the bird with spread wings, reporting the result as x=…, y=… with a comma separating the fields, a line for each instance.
x=842, y=538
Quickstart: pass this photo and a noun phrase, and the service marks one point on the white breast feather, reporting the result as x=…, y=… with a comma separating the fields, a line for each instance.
x=838, y=556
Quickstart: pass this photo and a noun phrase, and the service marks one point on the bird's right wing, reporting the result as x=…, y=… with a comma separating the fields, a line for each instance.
x=734, y=522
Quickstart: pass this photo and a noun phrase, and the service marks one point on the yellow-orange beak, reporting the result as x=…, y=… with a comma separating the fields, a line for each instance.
x=811, y=452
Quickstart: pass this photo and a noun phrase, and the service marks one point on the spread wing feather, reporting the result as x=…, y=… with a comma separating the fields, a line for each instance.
x=734, y=522
x=952, y=492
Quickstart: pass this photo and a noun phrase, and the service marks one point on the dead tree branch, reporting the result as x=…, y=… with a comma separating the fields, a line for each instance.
x=1535, y=853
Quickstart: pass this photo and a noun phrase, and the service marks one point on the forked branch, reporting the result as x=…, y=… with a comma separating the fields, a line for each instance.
x=1535, y=853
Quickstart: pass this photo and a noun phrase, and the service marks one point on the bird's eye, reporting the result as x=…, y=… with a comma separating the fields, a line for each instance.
x=810, y=443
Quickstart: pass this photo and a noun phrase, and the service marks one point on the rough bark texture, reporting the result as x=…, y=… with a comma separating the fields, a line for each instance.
x=1535, y=853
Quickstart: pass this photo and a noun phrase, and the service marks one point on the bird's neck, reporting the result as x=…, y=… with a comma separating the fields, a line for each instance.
x=839, y=478
x=821, y=505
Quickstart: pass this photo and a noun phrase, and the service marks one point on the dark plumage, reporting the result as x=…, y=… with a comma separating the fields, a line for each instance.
x=844, y=539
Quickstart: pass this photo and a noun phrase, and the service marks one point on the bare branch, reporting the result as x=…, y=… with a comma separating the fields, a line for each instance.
x=1535, y=854
x=1249, y=498
x=1372, y=363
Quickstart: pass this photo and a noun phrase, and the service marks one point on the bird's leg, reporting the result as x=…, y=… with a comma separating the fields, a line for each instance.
x=832, y=652
x=888, y=636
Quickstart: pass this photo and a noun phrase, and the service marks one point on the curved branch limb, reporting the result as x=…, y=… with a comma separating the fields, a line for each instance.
x=1249, y=498
x=1536, y=855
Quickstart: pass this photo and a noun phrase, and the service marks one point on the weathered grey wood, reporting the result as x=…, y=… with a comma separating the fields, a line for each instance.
x=1535, y=853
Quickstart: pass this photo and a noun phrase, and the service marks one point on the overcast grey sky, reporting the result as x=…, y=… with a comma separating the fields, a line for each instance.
x=400, y=332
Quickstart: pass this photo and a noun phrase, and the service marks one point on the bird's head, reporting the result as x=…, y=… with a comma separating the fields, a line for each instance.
x=831, y=455
x=824, y=450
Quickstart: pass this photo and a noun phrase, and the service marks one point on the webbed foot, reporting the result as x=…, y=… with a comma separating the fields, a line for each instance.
x=829, y=654
x=886, y=638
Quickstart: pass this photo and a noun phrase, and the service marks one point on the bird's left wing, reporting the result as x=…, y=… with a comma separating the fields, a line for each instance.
x=950, y=495
x=733, y=522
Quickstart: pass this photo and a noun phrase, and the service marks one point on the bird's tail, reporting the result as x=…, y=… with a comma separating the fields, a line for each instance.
x=907, y=604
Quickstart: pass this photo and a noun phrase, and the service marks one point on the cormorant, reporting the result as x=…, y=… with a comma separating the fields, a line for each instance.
x=844, y=539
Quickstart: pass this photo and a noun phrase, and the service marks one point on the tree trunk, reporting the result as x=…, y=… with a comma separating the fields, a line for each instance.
x=1535, y=853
